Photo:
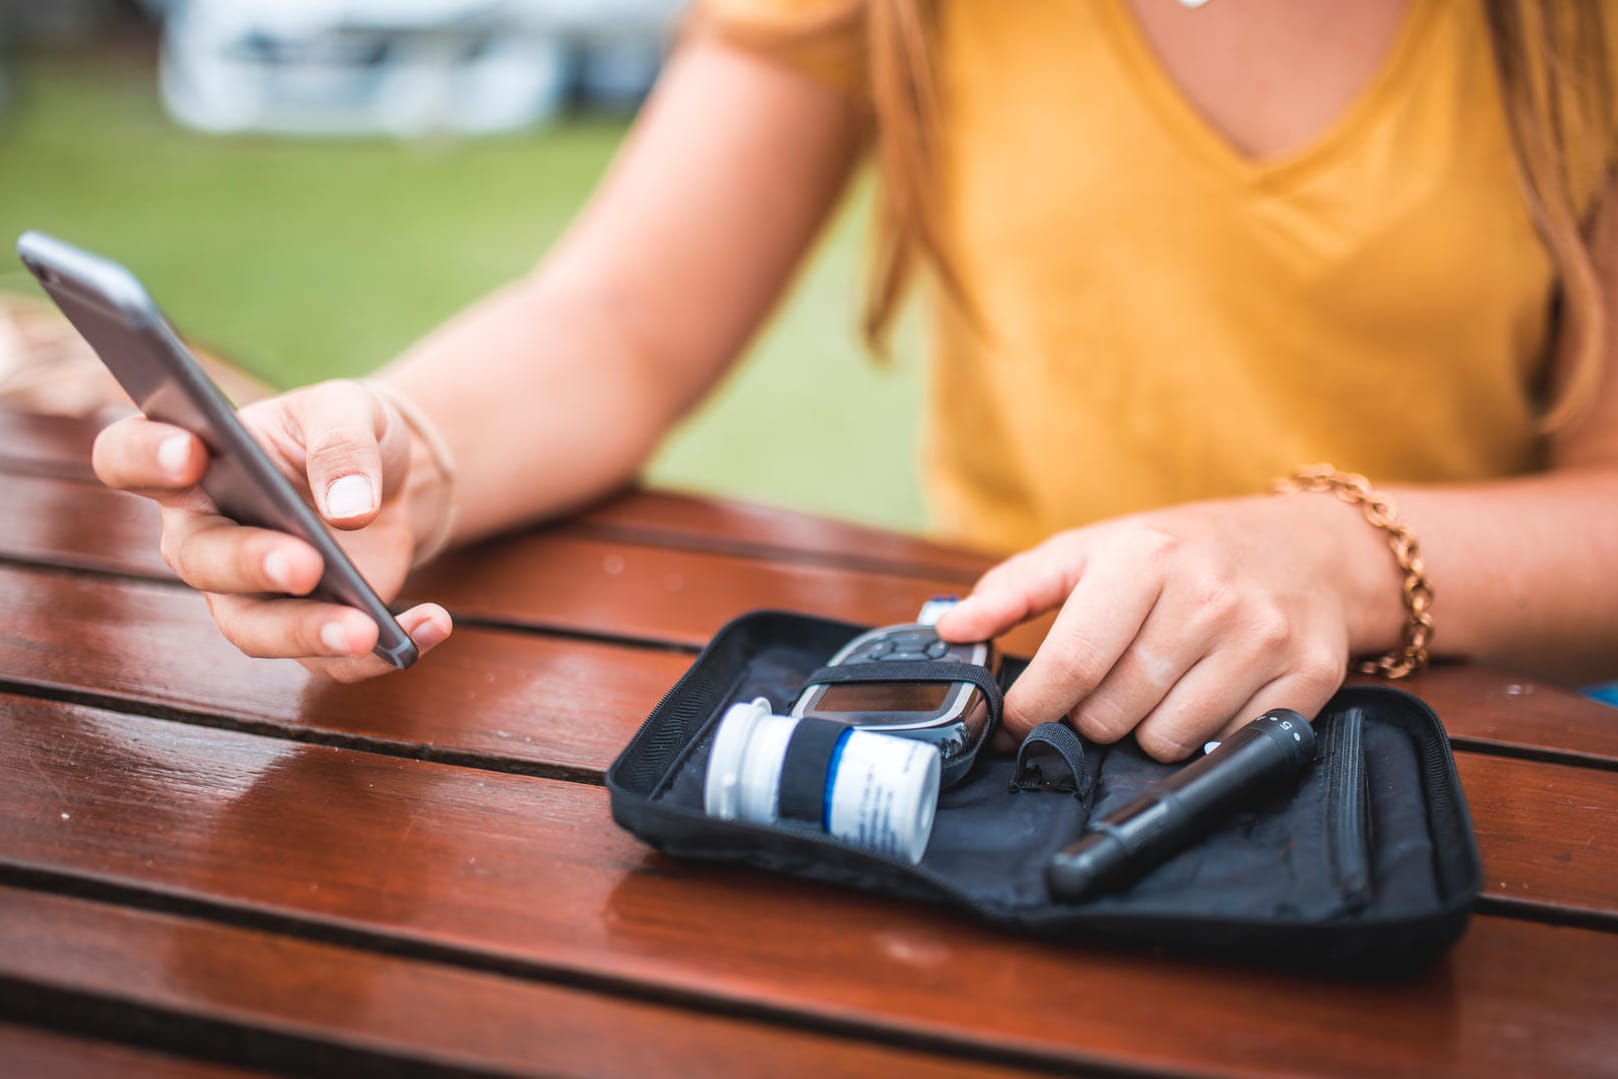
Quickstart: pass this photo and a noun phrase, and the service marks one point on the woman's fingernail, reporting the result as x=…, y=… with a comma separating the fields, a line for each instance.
x=350, y=496
x=429, y=633
x=173, y=453
x=335, y=638
x=278, y=568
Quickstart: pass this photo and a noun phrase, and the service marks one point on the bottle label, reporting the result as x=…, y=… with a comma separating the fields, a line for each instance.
x=875, y=794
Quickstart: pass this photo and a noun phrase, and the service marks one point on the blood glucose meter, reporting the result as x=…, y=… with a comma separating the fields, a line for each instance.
x=898, y=679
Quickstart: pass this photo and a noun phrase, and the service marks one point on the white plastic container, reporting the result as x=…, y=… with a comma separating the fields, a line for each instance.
x=881, y=791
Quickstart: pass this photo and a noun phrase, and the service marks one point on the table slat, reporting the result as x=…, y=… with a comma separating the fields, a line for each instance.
x=1545, y=831
x=558, y=705
x=1499, y=711
x=306, y=1005
x=550, y=578
x=532, y=871
x=31, y=1053
x=60, y=446
x=66, y=523
x=730, y=527
x=519, y=702
x=46, y=445
x=577, y=701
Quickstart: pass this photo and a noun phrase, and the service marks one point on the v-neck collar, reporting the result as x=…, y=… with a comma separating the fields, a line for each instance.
x=1198, y=134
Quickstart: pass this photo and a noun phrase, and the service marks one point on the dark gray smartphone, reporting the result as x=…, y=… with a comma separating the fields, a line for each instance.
x=106, y=303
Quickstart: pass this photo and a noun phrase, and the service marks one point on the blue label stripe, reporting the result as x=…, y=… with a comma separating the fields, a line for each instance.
x=835, y=763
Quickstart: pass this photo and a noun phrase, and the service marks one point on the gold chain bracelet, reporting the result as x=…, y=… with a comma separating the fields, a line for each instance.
x=1353, y=488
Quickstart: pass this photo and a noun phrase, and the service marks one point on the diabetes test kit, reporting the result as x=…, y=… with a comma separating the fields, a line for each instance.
x=842, y=754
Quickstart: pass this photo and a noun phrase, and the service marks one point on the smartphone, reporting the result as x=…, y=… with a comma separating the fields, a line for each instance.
x=110, y=307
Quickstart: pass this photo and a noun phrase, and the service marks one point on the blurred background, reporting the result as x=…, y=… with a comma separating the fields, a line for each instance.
x=307, y=186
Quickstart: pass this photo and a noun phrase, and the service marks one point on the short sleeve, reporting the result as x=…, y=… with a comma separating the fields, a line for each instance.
x=824, y=39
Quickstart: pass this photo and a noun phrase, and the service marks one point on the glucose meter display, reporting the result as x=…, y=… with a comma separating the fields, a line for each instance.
x=885, y=698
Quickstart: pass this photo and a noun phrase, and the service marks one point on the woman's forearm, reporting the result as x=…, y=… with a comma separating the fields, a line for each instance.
x=555, y=389
x=540, y=402
x=1524, y=571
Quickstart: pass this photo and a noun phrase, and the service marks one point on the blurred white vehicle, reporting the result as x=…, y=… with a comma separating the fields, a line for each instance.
x=401, y=67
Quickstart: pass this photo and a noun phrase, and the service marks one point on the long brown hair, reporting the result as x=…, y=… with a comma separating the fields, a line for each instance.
x=1556, y=86
x=1551, y=59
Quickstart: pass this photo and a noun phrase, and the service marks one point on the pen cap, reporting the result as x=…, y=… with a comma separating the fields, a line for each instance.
x=869, y=790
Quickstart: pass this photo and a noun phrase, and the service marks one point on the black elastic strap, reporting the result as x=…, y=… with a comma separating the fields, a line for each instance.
x=808, y=757
x=1051, y=759
x=911, y=670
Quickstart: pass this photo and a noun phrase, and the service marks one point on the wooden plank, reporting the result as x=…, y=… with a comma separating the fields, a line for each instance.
x=531, y=872
x=1545, y=831
x=60, y=446
x=85, y=525
x=513, y=699
x=46, y=445
x=305, y=1005
x=563, y=707
x=554, y=578
x=548, y=578
x=1507, y=713
x=38, y=1054
x=141, y=642
x=727, y=526
x=117, y=533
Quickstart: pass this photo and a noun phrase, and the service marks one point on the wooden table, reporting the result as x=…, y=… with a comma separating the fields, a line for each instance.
x=216, y=866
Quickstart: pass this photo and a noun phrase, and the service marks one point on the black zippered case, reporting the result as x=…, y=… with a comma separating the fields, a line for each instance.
x=1368, y=864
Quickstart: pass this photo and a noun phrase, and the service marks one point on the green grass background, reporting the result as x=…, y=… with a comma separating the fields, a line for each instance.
x=303, y=259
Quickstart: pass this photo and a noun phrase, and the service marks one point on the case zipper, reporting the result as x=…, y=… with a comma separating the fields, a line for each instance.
x=1348, y=807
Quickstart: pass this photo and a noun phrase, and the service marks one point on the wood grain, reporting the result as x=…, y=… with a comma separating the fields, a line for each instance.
x=154, y=643
x=1497, y=710
x=413, y=854
x=725, y=526
x=1546, y=832
x=31, y=1053
x=310, y=1006
x=60, y=446
x=81, y=524
x=46, y=445
x=557, y=579
x=116, y=533
x=509, y=699
x=394, y=907
x=549, y=578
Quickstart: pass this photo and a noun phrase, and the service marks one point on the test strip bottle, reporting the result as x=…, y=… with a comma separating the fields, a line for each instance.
x=869, y=790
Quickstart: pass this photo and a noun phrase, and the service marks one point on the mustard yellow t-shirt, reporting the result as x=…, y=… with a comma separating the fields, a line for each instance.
x=1164, y=319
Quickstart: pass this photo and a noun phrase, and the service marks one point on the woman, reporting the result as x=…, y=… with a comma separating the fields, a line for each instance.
x=1179, y=251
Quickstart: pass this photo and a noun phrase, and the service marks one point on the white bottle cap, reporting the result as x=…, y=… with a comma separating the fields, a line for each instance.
x=742, y=784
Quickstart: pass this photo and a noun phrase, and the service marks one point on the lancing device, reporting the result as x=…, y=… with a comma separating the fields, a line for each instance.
x=1267, y=754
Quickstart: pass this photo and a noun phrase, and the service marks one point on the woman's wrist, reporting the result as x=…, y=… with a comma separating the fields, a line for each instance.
x=1374, y=562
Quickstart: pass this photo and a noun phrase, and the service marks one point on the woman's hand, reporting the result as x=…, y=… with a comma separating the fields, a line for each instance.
x=1185, y=623
x=337, y=439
